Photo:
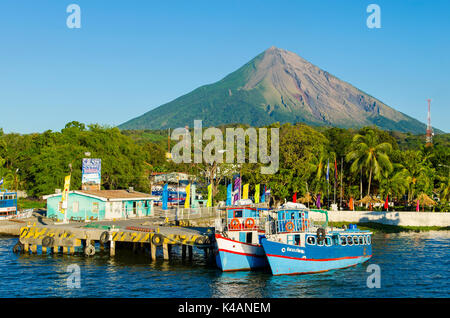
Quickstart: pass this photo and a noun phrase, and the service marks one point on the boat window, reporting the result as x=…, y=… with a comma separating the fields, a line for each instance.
x=292, y=215
x=355, y=240
x=320, y=243
x=349, y=240
x=328, y=241
x=361, y=240
x=238, y=214
x=297, y=239
x=343, y=240
x=368, y=239
x=311, y=240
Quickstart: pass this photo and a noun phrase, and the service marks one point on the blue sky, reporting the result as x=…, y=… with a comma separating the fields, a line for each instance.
x=131, y=56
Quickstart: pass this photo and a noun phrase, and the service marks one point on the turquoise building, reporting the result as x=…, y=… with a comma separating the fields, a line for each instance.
x=100, y=205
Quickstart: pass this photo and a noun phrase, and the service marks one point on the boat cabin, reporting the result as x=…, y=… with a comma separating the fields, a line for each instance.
x=292, y=221
x=8, y=203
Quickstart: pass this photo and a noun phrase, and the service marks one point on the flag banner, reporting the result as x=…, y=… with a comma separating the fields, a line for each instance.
x=188, y=197
x=209, y=203
x=165, y=196
x=1, y=181
x=245, y=191
x=257, y=193
x=318, y=201
x=328, y=170
x=229, y=192
x=294, y=197
x=263, y=197
x=335, y=169
x=386, y=204
x=194, y=203
x=350, y=205
x=237, y=189
x=65, y=193
x=417, y=206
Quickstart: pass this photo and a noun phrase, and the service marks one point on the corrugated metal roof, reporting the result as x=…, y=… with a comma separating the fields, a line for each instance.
x=116, y=194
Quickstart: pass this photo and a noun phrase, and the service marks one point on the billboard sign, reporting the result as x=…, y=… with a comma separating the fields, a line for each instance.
x=92, y=172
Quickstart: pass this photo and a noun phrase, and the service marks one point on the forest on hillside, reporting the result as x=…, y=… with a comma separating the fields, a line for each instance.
x=374, y=162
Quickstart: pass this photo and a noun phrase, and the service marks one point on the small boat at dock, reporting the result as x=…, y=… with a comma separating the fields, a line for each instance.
x=238, y=236
x=8, y=207
x=294, y=244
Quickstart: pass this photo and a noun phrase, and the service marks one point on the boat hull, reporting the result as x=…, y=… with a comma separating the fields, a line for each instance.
x=233, y=255
x=285, y=259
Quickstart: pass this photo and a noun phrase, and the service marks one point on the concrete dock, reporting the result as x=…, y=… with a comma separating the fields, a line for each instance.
x=147, y=234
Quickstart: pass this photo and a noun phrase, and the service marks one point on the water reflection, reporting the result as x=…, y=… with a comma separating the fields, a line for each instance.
x=412, y=265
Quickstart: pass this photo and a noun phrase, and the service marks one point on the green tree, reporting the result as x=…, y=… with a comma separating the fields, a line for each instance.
x=370, y=155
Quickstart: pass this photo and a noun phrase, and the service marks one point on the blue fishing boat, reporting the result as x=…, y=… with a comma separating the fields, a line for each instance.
x=238, y=236
x=295, y=245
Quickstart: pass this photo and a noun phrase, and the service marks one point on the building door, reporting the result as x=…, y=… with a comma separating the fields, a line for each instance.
x=115, y=210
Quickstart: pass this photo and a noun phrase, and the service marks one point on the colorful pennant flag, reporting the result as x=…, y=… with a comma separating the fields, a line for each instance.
x=257, y=193
x=386, y=204
x=165, y=197
x=209, y=202
x=294, y=197
x=188, y=197
x=328, y=169
x=245, y=191
x=229, y=191
x=350, y=205
x=318, y=201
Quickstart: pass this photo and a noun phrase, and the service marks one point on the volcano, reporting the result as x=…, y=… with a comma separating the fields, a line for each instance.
x=277, y=86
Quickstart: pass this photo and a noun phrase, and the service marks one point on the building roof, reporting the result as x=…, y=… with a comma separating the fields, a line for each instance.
x=111, y=195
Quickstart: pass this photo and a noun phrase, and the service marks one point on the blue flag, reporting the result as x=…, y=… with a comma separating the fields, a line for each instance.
x=1, y=181
x=165, y=197
x=229, y=190
x=263, y=196
x=328, y=169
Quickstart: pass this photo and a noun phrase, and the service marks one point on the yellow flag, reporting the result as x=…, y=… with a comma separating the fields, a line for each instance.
x=257, y=193
x=245, y=191
x=65, y=192
x=188, y=197
x=209, y=203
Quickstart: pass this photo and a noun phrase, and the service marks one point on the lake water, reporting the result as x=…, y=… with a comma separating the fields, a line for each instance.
x=412, y=265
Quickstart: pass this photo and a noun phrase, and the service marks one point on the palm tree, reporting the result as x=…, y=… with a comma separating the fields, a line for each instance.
x=416, y=168
x=369, y=155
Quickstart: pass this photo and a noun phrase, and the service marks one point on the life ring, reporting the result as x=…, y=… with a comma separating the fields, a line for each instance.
x=104, y=237
x=89, y=250
x=234, y=224
x=157, y=239
x=47, y=241
x=249, y=223
x=320, y=234
x=289, y=226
